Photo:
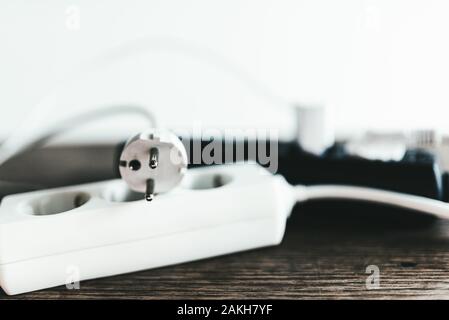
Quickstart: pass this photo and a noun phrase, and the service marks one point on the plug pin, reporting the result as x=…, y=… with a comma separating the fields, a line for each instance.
x=154, y=155
x=149, y=193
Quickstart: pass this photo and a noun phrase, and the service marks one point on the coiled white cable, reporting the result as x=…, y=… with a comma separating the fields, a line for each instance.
x=16, y=143
x=26, y=136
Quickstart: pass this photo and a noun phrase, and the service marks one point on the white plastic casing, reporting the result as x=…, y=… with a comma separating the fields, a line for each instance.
x=105, y=237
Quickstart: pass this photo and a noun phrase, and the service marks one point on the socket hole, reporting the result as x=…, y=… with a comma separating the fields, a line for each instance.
x=57, y=203
x=119, y=192
x=208, y=181
x=134, y=165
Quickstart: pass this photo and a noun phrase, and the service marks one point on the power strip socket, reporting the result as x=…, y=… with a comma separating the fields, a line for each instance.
x=103, y=229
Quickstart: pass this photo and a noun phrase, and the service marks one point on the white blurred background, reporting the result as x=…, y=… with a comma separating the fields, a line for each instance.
x=379, y=64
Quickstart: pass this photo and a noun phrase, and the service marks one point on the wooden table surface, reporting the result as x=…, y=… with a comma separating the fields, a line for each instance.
x=324, y=255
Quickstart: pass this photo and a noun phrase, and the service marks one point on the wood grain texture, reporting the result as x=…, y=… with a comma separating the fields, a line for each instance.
x=324, y=254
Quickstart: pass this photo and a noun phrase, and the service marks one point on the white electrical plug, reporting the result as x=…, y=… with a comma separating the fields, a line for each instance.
x=153, y=161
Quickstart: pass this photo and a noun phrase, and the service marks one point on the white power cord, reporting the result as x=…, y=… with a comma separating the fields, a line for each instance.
x=17, y=143
x=434, y=207
x=26, y=136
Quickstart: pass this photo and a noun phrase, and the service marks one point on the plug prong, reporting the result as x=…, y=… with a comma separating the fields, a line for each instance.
x=154, y=158
x=149, y=193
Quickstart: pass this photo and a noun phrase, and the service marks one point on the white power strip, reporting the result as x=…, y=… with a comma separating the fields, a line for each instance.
x=217, y=210
x=101, y=229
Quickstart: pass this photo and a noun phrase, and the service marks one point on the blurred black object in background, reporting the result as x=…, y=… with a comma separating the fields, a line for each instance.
x=417, y=173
